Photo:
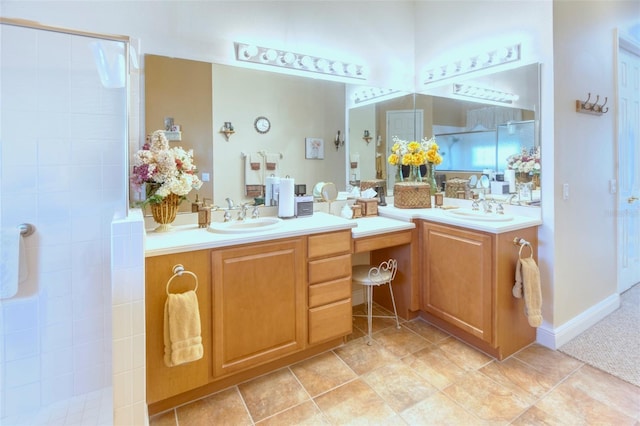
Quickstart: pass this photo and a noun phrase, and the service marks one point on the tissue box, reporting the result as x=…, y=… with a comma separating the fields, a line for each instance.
x=499, y=188
x=369, y=206
x=412, y=195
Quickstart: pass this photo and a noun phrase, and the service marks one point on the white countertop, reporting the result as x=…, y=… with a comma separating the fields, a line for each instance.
x=441, y=216
x=189, y=237
x=376, y=225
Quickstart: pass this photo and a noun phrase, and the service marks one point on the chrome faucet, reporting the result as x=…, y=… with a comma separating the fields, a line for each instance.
x=255, y=213
x=242, y=214
x=512, y=197
x=229, y=202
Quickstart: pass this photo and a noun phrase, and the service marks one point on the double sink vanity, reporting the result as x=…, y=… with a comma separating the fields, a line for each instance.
x=273, y=292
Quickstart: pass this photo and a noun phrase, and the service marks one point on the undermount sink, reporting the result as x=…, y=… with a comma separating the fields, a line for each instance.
x=478, y=215
x=245, y=226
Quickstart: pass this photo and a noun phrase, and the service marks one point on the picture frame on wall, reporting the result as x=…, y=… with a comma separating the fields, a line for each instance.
x=314, y=149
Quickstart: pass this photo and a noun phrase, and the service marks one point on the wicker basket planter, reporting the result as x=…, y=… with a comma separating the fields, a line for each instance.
x=164, y=213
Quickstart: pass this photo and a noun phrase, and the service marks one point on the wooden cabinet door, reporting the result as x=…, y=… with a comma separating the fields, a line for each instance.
x=458, y=276
x=162, y=381
x=259, y=304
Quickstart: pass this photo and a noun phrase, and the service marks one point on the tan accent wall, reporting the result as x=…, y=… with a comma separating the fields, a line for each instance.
x=182, y=89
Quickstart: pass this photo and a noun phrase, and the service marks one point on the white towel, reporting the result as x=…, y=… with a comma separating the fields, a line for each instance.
x=354, y=171
x=13, y=262
x=252, y=177
x=527, y=285
x=271, y=162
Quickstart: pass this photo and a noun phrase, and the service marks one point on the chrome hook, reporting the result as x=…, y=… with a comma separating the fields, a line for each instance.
x=584, y=104
x=602, y=108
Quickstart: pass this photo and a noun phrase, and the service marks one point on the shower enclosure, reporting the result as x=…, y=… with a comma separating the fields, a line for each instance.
x=63, y=133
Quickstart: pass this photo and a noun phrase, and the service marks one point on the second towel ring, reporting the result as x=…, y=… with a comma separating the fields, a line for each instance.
x=523, y=246
x=178, y=270
x=522, y=243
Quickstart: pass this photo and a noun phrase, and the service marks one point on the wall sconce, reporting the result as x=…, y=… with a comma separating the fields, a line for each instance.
x=297, y=61
x=227, y=130
x=484, y=93
x=482, y=61
x=338, y=141
x=366, y=137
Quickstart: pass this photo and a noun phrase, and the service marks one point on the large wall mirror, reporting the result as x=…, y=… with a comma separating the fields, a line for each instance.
x=201, y=97
x=474, y=135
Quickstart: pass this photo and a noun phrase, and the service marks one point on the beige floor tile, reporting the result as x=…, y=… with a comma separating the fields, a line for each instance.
x=223, y=408
x=536, y=417
x=272, y=393
x=438, y=409
x=432, y=364
x=608, y=389
x=400, y=342
x=463, y=355
x=524, y=380
x=485, y=398
x=553, y=364
x=362, y=358
x=322, y=373
x=426, y=330
x=399, y=385
x=572, y=403
x=168, y=418
x=306, y=413
x=355, y=403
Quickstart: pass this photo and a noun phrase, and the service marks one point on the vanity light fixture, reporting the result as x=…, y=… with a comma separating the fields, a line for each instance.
x=484, y=93
x=369, y=93
x=297, y=61
x=501, y=56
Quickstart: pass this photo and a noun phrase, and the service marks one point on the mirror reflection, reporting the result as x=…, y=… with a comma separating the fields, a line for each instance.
x=475, y=137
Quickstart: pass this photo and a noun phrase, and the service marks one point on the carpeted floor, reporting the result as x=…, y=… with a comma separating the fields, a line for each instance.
x=613, y=344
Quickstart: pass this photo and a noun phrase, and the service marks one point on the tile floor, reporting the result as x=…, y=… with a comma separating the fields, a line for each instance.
x=419, y=375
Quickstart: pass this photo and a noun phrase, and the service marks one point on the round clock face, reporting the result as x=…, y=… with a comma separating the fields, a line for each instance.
x=262, y=124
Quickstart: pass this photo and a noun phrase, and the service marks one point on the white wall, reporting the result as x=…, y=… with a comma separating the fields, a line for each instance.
x=584, y=156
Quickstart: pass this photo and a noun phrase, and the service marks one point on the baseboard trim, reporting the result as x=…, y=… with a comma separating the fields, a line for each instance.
x=554, y=338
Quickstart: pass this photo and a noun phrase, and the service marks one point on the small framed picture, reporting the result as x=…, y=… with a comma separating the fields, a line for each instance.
x=314, y=149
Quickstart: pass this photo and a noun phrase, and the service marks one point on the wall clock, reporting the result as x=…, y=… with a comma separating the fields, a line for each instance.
x=262, y=125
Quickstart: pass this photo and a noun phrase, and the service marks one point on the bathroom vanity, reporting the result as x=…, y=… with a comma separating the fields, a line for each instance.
x=277, y=296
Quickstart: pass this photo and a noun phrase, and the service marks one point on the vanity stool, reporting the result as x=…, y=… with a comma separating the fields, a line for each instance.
x=369, y=276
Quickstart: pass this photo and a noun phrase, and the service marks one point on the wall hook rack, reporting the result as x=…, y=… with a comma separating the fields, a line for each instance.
x=592, y=107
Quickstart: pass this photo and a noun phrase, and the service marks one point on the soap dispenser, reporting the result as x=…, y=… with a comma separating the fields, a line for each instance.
x=195, y=206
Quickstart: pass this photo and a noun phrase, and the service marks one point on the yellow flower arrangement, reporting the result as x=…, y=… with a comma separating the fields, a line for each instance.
x=414, y=153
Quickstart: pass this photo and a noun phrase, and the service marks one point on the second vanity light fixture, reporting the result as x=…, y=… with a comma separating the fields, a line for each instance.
x=478, y=62
x=484, y=93
x=297, y=61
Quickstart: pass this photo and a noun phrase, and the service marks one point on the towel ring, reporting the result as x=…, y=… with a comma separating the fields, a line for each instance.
x=526, y=244
x=178, y=270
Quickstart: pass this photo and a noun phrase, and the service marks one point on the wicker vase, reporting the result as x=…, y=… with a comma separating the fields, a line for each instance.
x=164, y=213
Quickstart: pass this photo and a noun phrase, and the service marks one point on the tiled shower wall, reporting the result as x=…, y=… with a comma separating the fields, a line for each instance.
x=62, y=168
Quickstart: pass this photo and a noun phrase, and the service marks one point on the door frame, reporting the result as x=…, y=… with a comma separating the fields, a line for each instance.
x=622, y=42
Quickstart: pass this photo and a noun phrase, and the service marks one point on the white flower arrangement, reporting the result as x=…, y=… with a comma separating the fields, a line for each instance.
x=527, y=161
x=165, y=170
